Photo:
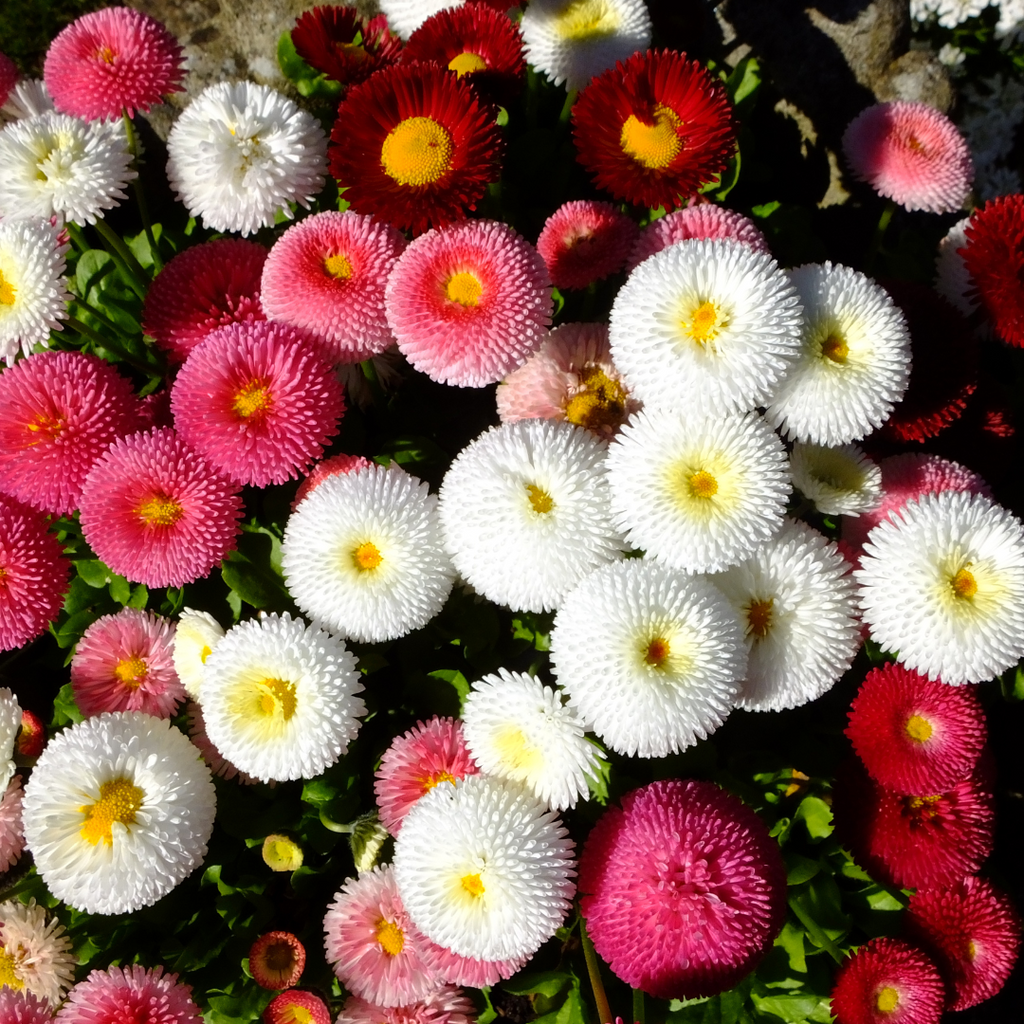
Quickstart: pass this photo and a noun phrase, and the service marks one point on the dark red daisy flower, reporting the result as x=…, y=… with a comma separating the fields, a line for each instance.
x=414, y=146
x=654, y=129
x=585, y=241
x=277, y=960
x=8, y=77
x=343, y=44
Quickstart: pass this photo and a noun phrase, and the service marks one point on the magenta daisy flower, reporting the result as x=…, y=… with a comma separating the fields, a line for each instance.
x=21, y=1007
x=584, y=241
x=259, y=401
x=326, y=275
x=112, y=60
x=685, y=890
x=130, y=993
x=12, y=832
x=447, y=1005
x=155, y=510
x=469, y=303
x=204, y=287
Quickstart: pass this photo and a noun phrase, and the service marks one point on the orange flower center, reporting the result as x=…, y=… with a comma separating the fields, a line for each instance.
x=467, y=63
x=7, y=291
x=417, y=151
x=964, y=585
x=473, y=885
x=131, y=671
x=919, y=729
x=653, y=145
x=275, y=697
x=657, y=652
x=834, y=348
x=703, y=484
x=540, y=501
x=433, y=780
x=390, y=937
x=601, y=403
x=759, y=617
x=105, y=54
x=367, y=556
x=888, y=999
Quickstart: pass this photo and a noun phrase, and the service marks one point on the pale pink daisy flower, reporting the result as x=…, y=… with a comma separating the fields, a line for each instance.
x=454, y=969
x=469, y=303
x=329, y=467
x=584, y=241
x=326, y=276
x=21, y=1007
x=429, y=753
x=911, y=153
x=447, y=1005
x=259, y=401
x=219, y=765
x=124, y=662
x=12, y=832
x=130, y=993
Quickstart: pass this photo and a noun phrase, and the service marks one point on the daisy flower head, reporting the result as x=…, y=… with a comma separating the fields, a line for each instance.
x=854, y=358
x=697, y=493
x=9, y=76
x=10, y=725
x=194, y=638
x=117, y=812
x=279, y=698
x=157, y=512
x=517, y=728
x=888, y=980
x=654, y=129
x=277, y=960
x=31, y=735
x=572, y=41
x=915, y=736
x=12, y=831
x=447, y=1005
x=202, y=288
x=28, y=98
x=712, y=320
x=469, y=303
x=840, y=481
x=584, y=241
x=296, y=1005
x=994, y=260
x=652, y=659
x=59, y=411
x=943, y=584
x=525, y=512
x=20, y=1007
x=684, y=890
x=336, y=464
x=911, y=153
x=240, y=153
x=415, y=146
x=952, y=281
x=364, y=555
x=470, y=971
x=326, y=276
x=35, y=952
x=484, y=868
x=219, y=765
x=145, y=996
x=343, y=44
x=258, y=401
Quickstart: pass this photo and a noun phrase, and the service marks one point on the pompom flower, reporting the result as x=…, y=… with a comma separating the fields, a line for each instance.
x=28, y=98
x=195, y=636
x=584, y=241
x=654, y=129
x=911, y=153
x=117, y=812
x=327, y=468
x=840, y=481
x=130, y=993
x=221, y=766
x=468, y=304
x=277, y=960
x=952, y=281
x=294, y=1006
x=155, y=510
x=12, y=831
x=683, y=889
x=325, y=38
x=21, y=1007
x=447, y=1005
x=35, y=951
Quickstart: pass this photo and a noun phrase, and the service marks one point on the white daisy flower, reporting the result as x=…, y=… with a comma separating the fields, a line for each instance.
x=797, y=602
x=697, y=493
x=484, y=868
x=942, y=584
x=525, y=512
x=195, y=637
x=10, y=725
x=240, y=153
x=35, y=952
x=59, y=165
x=29, y=98
x=854, y=361
x=117, y=812
x=517, y=728
x=840, y=481
x=713, y=324
x=571, y=41
x=952, y=281
x=363, y=554
x=405, y=16
x=651, y=658
x=33, y=292
x=278, y=698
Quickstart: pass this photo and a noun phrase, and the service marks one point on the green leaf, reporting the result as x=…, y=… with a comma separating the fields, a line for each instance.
x=120, y=590
x=791, y=939
x=765, y=209
x=70, y=631
x=94, y=572
x=742, y=85
x=795, y=1008
x=800, y=869
x=545, y=983
x=598, y=782
x=816, y=816
x=249, y=573
x=308, y=81
x=455, y=678
x=415, y=453
x=65, y=710
x=139, y=598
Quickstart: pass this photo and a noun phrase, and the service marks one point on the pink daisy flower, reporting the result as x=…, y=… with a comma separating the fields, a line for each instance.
x=155, y=510
x=911, y=153
x=204, y=287
x=130, y=993
x=326, y=275
x=58, y=413
x=684, y=889
x=469, y=303
x=454, y=969
x=297, y=1006
x=447, y=1005
x=109, y=60
x=8, y=77
x=429, y=753
x=12, y=832
x=584, y=241
x=21, y=1007
x=276, y=960
x=218, y=764
x=33, y=575
x=329, y=467
x=259, y=401
x=125, y=662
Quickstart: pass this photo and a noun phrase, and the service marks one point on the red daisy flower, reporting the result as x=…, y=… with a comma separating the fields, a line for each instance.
x=296, y=1007
x=112, y=60
x=994, y=258
x=58, y=413
x=915, y=736
x=31, y=735
x=130, y=993
x=888, y=981
x=584, y=241
x=329, y=467
x=343, y=44
x=277, y=960
x=8, y=77
x=414, y=146
x=204, y=287
x=155, y=510
x=973, y=933
x=654, y=129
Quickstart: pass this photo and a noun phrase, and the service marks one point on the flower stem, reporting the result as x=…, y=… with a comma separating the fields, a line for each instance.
x=604, y=1011
x=570, y=99
x=125, y=259
x=335, y=826
x=135, y=148
x=638, y=1005
x=113, y=344
x=878, y=237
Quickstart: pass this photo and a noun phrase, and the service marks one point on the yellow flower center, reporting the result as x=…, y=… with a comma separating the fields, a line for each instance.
x=464, y=288
x=918, y=728
x=205, y=653
x=467, y=63
x=119, y=800
x=7, y=291
x=159, y=510
x=356, y=53
x=131, y=671
x=964, y=585
x=367, y=556
x=472, y=885
x=834, y=348
x=516, y=753
x=275, y=697
x=922, y=806
x=657, y=652
x=888, y=999
x=105, y=54
x=293, y=1013
x=759, y=617
x=586, y=19
x=601, y=403
x=540, y=501
x=253, y=400
x=338, y=266
x=417, y=151
x=9, y=971
x=972, y=949
x=703, y=484
x=653, y=146
x=390, y=937
x=49, y=426
x=430, y=781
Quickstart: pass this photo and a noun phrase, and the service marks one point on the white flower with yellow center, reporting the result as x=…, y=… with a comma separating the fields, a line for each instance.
x=942, y=584
x=698, y=494
x=652, y=659
x=117, y=812
x=195, y=637
x=363, y=554
x=840, y=481
x=278, y=698
x=711, y=324
x=35, y=952
x=571, y=41
x=854, y=359
x=484, y=868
